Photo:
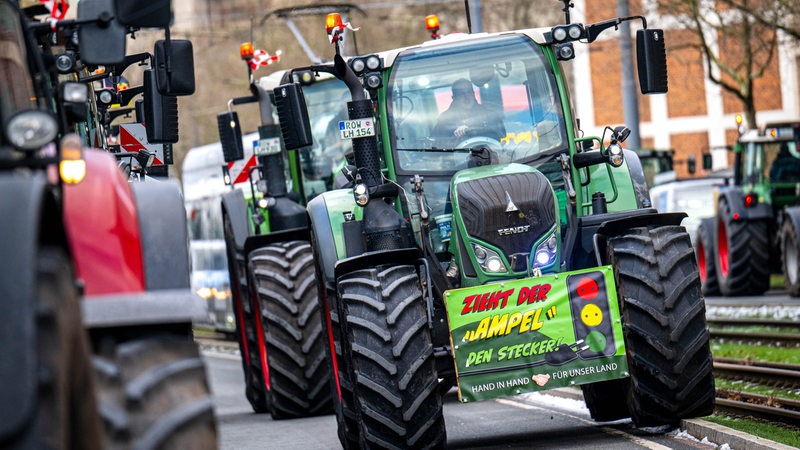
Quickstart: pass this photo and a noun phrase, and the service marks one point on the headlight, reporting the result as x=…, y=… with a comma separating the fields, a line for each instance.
x=488, y=259
x=559, y=34
x=615, y=155
x=361, y=194
x=546, y=253
x=373, y=80
x=358, y=65
x=31, y=129
x=373, y=62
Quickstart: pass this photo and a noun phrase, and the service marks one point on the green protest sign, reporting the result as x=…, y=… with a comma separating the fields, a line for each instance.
x=536, y=333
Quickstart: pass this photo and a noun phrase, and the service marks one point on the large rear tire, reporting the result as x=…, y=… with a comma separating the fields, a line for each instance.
x=389, y=356
x=666, y=336
x=790, y=257
x=283, y=275
x=742, y=250
x=247, y=325
x=706, y=262
x=66, y=415
x=154, y=394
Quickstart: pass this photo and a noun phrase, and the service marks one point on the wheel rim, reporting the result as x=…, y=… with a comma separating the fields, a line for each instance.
x=722, y=245
x=790, y=257
x=701, y=262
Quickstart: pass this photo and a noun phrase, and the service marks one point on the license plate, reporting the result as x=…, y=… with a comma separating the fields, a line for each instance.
x=357, y=128
x=269, y=146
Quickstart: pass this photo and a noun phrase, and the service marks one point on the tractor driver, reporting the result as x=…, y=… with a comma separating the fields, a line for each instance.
x=466, y=118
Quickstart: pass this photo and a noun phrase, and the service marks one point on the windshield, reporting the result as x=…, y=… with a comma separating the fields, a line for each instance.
x=498, y=93
x=782, y=162
x=327, y=105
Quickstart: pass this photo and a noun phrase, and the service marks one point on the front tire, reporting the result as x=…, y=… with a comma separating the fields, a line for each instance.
x=284, y=278
x=663, y=311
x=389, y=356
x=154, y=394
x=742, y=250
x=66, y=414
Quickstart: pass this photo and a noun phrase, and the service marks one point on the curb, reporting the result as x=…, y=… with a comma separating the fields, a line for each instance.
x=737, y=440
x=699, y=429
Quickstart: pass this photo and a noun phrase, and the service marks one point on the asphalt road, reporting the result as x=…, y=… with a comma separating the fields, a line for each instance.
x=528, y=421
x=522, y=422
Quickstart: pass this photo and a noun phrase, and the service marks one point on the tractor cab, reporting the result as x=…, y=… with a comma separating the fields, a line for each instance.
x=769, y=163
x=470, y=103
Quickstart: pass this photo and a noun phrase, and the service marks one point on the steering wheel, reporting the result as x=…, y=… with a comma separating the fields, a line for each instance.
x=484, y=150
x=478, y=141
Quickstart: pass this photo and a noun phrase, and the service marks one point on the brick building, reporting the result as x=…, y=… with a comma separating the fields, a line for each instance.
x=695, y=116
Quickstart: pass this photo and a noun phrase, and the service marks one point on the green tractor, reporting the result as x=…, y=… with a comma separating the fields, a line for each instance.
x=274, y=287
x=755, y=231
x=498, y=262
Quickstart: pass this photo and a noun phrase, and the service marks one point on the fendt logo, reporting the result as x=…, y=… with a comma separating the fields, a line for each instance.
x=513, y=230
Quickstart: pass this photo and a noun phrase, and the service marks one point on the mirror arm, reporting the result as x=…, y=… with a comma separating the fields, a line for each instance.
x=594, y=30
x=127, y=95
x=117, y=69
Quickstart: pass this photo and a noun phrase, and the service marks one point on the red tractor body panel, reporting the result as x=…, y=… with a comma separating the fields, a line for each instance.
x=103, y=228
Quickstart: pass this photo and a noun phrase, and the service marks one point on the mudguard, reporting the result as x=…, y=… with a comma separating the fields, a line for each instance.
x=235, y=208
x=735, y=198
x=260, y=240
x=103, y=228
x=130, y=250
x=593, y=231
x=326, y=212
x=640, y=188
x=403, y=256
x=31, y=217
x=165, y=239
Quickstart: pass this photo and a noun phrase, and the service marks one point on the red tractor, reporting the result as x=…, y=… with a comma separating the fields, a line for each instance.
x=98, y=351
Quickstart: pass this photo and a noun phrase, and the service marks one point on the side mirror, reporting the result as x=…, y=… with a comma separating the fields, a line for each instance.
x=621, y=133
x=160, y=112
x=230, y=136
x=101, y=38
x=143, y=13
x=174, y=66
x=651, y=58
x=293, y=116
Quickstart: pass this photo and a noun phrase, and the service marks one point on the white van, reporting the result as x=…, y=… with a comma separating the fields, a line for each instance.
x=695, y=197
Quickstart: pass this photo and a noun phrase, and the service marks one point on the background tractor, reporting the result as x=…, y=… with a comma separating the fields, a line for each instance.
x=99, y=351
x=754, y=233
x=501, y=263
x=269, y=254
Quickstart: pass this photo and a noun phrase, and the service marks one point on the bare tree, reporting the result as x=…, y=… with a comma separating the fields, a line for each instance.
x=736, y=48
x=781, y=15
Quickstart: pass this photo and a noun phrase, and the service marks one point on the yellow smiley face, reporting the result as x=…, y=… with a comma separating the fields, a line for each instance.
x=591, y=315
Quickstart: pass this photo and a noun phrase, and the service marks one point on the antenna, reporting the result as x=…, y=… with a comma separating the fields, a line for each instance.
x=567, y=5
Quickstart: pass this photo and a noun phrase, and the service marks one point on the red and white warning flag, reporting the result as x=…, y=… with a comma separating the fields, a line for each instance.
x=58, y=9
x=262, y=58
x=337, y=30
